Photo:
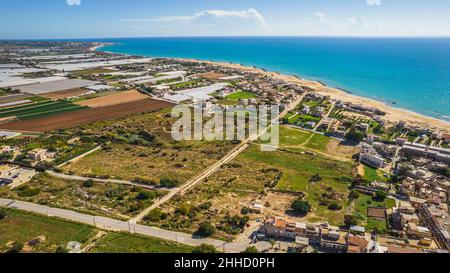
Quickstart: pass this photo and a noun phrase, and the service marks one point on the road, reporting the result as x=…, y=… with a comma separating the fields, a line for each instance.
x=122, y=226
x=114, y=181
x=215, y=167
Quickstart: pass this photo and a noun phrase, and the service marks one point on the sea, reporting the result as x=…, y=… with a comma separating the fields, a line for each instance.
x=409, y=73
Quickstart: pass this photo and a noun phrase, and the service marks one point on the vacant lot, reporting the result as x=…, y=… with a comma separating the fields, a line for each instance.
x=41, y=109
x=65, y=94
x=241, y=95
x=118, y=98
x=211, y=75
x=64, y=121
x=111, y=200
x=127, y=243
x=25, y=227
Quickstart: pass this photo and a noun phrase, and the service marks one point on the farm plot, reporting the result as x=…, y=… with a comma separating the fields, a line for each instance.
x=40, y=109
x=122, y=97
x=64, y=121
x=65, y=94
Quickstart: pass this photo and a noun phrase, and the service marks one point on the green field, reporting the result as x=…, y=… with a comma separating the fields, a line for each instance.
x=372, y=174
x=23, y=227
x=40, y=109
x=241, y=95
x=318, y=142
x=360, y=210
x=292, y=136
x=127, y=243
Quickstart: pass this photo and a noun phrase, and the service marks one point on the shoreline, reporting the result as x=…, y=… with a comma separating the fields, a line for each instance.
x=393, y=114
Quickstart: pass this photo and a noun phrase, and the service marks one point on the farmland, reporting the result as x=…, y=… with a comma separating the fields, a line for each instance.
x=64, y=121
x=40, y=109
x=65, y=94
x=118, y=98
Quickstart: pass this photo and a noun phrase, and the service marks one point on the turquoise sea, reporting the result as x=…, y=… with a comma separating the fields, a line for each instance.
x=410, y=73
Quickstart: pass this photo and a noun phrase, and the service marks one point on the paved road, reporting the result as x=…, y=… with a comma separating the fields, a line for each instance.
x=216, y=166
x=121, y=226
x=114, y=181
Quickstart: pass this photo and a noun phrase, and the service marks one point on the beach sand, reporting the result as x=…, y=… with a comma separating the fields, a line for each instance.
x=392, y=114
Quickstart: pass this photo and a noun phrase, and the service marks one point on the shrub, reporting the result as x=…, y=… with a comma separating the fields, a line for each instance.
x=206, y=229
x=245, y=211
x=251, y=250
x=204, y=248
x=16, y=248
x=169, y=183
x=88, y=183
x=316, y=178
x=354, y=195
x=155, y=215
x=25, y=191
x=301, y=207
x=381, y=195
x=205, y=206
x=3, y=214
x=334, y=206
x=62, y=250
x=350, y=220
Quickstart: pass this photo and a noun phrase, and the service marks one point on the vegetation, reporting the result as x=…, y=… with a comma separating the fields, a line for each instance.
x=40, y=109
x=206, y=229
x=301, y=207
x=205, y=248
x=251, y=250
x=241, y=95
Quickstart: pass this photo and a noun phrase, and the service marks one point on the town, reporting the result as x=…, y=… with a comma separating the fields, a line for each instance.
x=85, y=141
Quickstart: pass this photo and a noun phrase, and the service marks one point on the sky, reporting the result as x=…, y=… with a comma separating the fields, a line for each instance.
x=25, y=19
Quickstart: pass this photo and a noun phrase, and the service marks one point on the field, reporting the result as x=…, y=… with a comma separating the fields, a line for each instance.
x=64, y=121
x=127, y=243
x=118, y=98
x=241, y=95
x=110, y=200
x=360, y=211
x=371, y=174
x=212, y=76
x=65, y=94
x=40, y=109
x=24, y=227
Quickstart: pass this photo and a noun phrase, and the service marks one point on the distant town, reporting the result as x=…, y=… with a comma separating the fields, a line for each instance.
x=87, y=157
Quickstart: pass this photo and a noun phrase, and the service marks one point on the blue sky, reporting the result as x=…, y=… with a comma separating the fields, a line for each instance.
x=140, y=18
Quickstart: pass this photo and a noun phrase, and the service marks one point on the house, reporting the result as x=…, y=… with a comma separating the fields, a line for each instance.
x=332, y=239
x=357, y=230
x=418, y=232
x=437, y=220
x=357, y=242
x=256, y=208
x=370, y=156
x=39, y=155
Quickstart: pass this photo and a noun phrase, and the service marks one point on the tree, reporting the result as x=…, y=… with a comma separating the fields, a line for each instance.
x=251, y=250
x=62, y=250
x=301, y=207
x=350, y=220
x=381, y=195
x=355, y=135
x=353, y=195
x=143, y=195
x=334, y=206
x=205, y=248
x=206, y=229
x=88, y=183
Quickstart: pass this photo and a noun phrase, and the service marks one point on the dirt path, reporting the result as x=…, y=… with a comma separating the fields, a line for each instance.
x=93, y=241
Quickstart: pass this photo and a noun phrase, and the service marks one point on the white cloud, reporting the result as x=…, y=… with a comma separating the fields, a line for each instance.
x=210, y=16
x=374, y=2
x=74, y=2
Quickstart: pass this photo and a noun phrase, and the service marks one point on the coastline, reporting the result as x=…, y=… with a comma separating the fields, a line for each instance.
x=393, y=114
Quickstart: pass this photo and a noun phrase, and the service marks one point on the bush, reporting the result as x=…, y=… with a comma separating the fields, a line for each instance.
x=169, y=183
x=251, y=250
x=350, y=220
x=25, y=191
x=205, y=206
x=245, y=211
x=381, y=195
x=155, y=215
x=88, y=183
x=334, y=206
x=206, y=229
x=3, y=214
x=61, y=250
x=204, y=248
x=16, y=248
x=354, y=195
x=316, y=178
x=301, y=207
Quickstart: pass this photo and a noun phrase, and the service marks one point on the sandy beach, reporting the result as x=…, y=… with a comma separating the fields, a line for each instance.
x=392, y=114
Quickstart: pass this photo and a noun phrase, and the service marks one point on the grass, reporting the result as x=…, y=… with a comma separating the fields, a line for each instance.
x=127, y=243
x=23, y=227
x=292, y=137
x=372, y=174
x=360, y=210
x=227, y=102
x=241, y=95
x=40, y=109
x=318, y=142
